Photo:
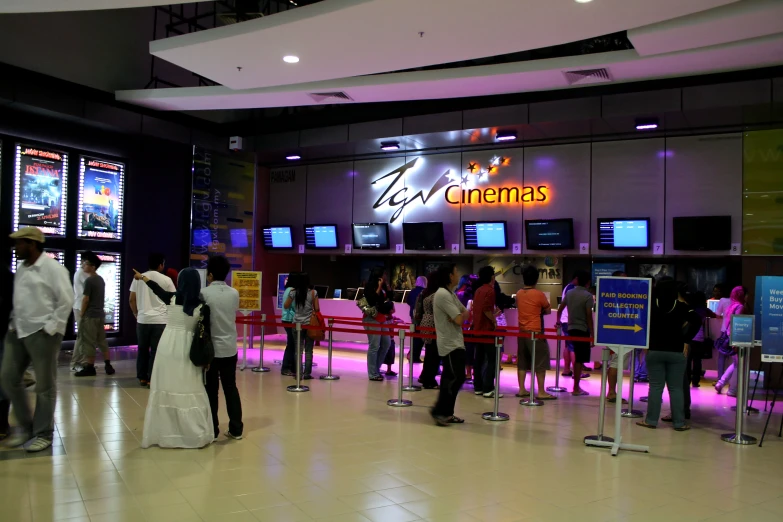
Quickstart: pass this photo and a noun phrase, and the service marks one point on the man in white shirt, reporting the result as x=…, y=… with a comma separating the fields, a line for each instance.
x=150, y=315
x=223, y=302
x=77, y=359
x=42, y=303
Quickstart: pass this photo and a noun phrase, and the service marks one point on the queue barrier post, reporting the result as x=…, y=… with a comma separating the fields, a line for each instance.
x=557, y=388
x=244, y=313
x=260, y=368
x=399, y=402
x=628, y=412
x=605, y=356
x=411, y=387
x=496, y=415
x=329, y=376
x=532, y=401
x=298, y=388
x=738, y=437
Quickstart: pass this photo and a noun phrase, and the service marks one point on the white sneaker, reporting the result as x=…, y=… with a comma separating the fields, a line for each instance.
x=16, y=439
x=491, y=395
x=232, y=436
x=37, y=444
x=478, y=393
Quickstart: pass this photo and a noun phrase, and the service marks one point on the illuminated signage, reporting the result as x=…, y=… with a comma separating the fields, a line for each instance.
x=101, y=187
x=457, y=189
x=57, y=255
x=41, y=186
x=109, y=270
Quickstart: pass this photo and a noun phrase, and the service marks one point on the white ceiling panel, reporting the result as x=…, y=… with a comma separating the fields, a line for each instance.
x=48, y=6
x=344, y=38
x=624, y=66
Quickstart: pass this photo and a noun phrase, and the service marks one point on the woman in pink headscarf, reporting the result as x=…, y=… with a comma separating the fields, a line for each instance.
x=737, y=307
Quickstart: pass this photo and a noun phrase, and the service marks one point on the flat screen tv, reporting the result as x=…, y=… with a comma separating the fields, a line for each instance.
x=423, y=236
x=320, y=236
x=371, y=236
x=549, y=234
x=278, y=238
x=623, y=233
x=702, y=233
x=484, y=235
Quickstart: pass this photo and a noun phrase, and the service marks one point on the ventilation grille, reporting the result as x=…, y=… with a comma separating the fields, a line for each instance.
x=231, y=18
x=587, y=76
x=329, y=97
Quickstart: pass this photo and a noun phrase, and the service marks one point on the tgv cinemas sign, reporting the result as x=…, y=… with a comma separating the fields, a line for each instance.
x=477, y=185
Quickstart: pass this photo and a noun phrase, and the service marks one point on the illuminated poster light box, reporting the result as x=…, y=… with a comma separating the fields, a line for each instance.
x=40, y=189
x=101, y=191
x=110, y=270
x=57, y=255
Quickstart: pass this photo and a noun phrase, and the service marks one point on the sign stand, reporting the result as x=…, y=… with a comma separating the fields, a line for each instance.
x=248, y=284
x=629, y=412
x=742, y=330
x=602, y=401
x=260, y=368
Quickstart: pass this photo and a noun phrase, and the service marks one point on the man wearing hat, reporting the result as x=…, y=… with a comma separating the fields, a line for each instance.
x=42, y=303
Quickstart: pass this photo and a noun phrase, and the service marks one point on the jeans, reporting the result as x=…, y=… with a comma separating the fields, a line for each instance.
x=307, y=348
x=730, y=375
x=39, y=349
x=640, y=372
x=724, y=361
x=289, y=356
x=431, y=365
x=77, y=359
x=378, y=346
x=485, y=356
x=450, y=383
x=223, y=372
x=149, y=337
x=666, y=368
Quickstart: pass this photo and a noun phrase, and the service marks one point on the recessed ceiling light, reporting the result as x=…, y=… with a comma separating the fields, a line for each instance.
x=291, y=59
x=390, y=145
x=505, y=136
x=293, y=157
x=583, y=1
x=646, y=124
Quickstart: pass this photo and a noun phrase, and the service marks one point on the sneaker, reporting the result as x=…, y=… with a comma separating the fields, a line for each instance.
x=478, y=392
x=307, y=377
x=37, y=444
x=16, y=439
x=390, y=373
x=491, y=395
x=87, y=371
x=232, y=436
x=109, y=368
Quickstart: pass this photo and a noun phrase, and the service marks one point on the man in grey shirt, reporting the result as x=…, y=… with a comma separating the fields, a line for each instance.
x=450, y=315
x=91, y=333
x=579, y=303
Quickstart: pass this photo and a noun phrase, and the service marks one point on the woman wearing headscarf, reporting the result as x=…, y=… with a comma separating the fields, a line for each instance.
x=737, y=307
x=178, y=413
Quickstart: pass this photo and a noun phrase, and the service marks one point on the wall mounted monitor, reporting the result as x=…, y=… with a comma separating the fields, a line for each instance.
x=338, y=293
x=321, y=290
x=320, y=236
x=371, y=236
x=101, y=187
x=423, y=236
x=485, y=235
x=278, y=238
x=110, y=270
x=702, y=233
x=623, y=233
x=549, y=234
x=41, y=189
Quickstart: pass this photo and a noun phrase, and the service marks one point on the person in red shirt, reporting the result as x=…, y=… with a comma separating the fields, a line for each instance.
x=483, y=321
x=532, y=305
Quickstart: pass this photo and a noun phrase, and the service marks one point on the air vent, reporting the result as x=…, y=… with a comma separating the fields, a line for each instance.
x=232, y=18
x=587, y=76
x=330, y=97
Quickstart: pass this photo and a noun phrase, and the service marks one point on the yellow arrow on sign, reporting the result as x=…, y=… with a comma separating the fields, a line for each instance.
x=636, y=328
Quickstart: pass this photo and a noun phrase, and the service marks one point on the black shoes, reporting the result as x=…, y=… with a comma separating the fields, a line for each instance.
x=108, y=368
x=87, y=371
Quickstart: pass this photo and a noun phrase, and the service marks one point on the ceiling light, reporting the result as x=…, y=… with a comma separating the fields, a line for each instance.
x=390, y=145
x=293, y=157
x=505, y=136
x=291, y=59
x=647, y=124
x=583, y=1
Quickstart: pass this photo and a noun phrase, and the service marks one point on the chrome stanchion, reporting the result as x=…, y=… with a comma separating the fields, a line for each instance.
x=329, y=376
x=532, y=401
x=297, y=388
x=244, y=313
x=739, y=420
x=411, y=387
x=495, y=415
x=605, y=356
x=557, y=388
x=628, y=412
x=260, y=368
x=399, y=402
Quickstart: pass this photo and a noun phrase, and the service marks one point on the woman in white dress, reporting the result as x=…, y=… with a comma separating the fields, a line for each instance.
x=178, y=413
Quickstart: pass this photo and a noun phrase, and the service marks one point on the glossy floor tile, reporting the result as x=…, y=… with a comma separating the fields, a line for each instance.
x=339, y=453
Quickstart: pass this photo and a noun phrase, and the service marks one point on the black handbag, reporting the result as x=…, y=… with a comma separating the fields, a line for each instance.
x=202, y=351
x=723, y=344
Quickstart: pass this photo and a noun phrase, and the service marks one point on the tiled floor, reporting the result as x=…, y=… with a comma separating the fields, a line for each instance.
x=339, y=453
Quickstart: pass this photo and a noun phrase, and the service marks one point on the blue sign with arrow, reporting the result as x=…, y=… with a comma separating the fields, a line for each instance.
x=622, y=315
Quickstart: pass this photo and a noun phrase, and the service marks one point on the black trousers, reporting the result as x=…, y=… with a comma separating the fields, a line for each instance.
x=418, y=344
x=692, y=373
x=148, y=336
x=450, y=383
x=485, y=357
x=223, y=372
x=431, y=365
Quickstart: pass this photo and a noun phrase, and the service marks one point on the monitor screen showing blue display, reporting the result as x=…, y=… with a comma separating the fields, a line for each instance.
x=320, y=236
x=624, y=234
x=484, y=235
x=278, y=237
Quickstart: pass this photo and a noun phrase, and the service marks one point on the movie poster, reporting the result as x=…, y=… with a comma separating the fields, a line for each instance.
x=41, y=186
x=57, y=255
x=109, y=270
x=100, y=198
x=656, y=271
x=403, y=276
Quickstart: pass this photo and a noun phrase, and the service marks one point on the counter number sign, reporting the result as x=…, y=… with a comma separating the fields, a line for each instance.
x=623, y=312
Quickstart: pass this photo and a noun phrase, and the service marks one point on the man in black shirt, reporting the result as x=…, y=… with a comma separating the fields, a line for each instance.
x=91, y=332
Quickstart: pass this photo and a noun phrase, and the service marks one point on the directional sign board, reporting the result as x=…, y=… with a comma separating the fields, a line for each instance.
x=622, y=315
x=742, y=331
x=769, y=312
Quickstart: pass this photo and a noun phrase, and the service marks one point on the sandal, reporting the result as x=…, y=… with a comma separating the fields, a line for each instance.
x=684, y=427
x=580, y=393
x=455, y=420
x=667, y=418
x=567, y=374
x=546, y=397
x=522, y=394
x=613, y=400
x=377, y=378
x=644, y=424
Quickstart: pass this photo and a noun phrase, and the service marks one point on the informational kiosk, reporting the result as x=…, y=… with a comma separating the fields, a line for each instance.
x=622, y=323
x=248, y=284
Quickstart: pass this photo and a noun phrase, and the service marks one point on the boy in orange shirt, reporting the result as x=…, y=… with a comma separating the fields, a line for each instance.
x=532, y=305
